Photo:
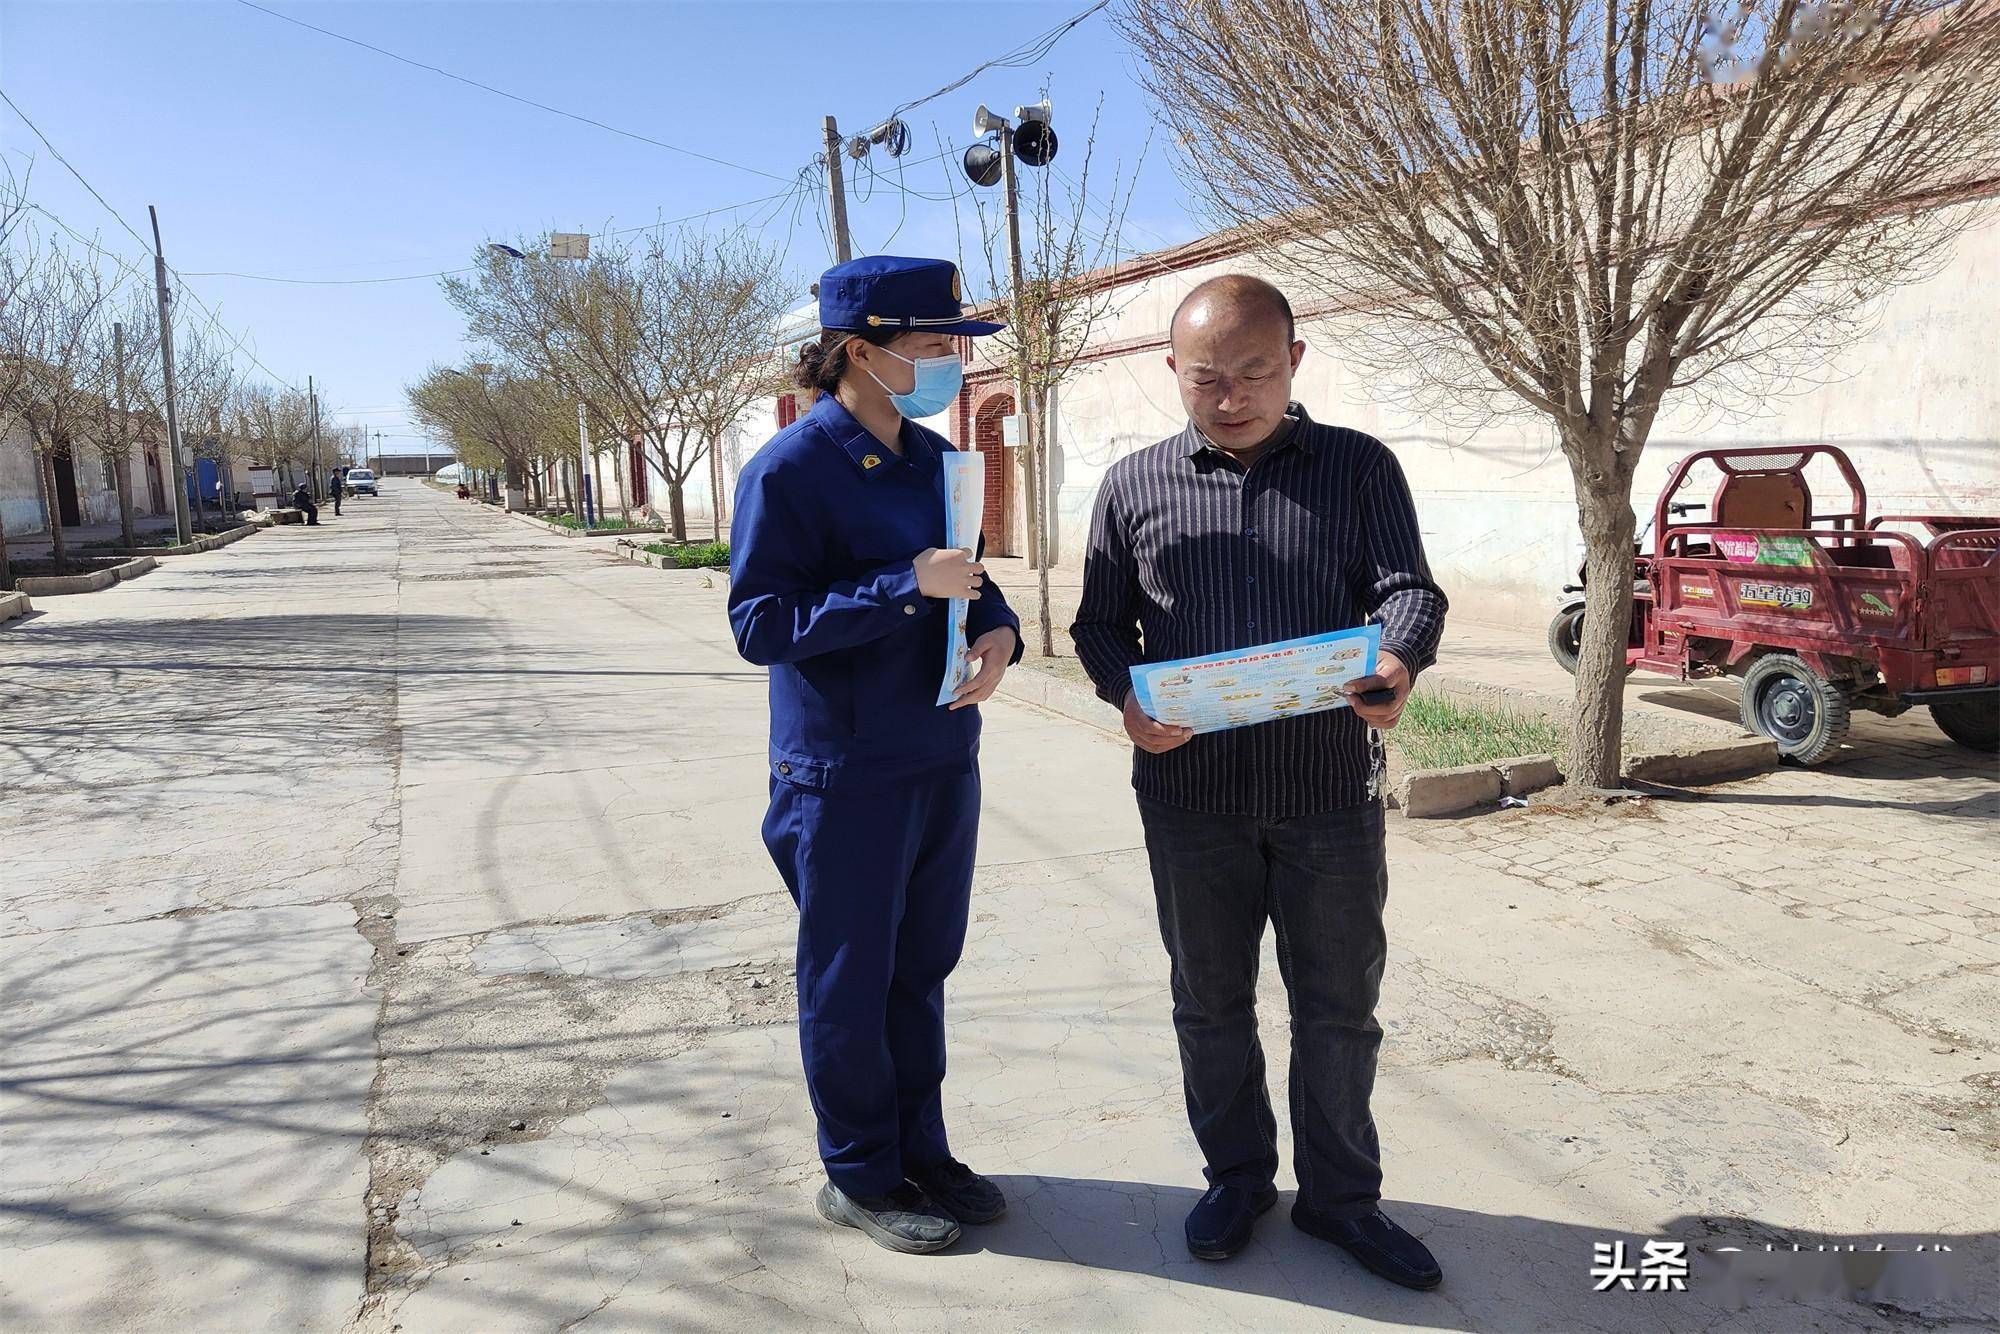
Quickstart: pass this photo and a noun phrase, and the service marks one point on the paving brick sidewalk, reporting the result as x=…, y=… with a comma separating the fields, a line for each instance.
x=1896, y=838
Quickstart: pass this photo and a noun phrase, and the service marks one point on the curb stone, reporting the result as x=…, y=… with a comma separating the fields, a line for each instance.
x=1058, y=696
x=560, y=531
x=206, y=542
x=14, y=604
x=94, y=582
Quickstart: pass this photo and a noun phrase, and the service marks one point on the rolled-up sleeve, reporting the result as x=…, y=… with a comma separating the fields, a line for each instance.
x=1390, y=576
x=780, y=607
x=1106, y=629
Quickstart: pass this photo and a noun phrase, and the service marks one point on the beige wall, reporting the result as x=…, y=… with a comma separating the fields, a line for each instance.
x=1915, y=400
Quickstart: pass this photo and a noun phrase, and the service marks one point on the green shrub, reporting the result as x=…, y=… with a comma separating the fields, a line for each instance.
x=602, y=525
x=693, y=555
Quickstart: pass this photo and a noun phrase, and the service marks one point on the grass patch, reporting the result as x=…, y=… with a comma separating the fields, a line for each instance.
x=146, y=540
x=1438, y=733
x=692, y=555
x=601, y=525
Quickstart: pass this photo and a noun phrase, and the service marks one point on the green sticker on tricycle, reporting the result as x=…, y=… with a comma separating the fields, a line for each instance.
x=1759, y=549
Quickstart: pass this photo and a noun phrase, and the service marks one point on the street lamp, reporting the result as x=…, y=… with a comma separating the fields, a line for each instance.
x=1033, y=141
x=568, y=245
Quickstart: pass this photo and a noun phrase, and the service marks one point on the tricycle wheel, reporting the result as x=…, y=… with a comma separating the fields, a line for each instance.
x=1566, y=637
x=1789, y=702
x=1973, y=722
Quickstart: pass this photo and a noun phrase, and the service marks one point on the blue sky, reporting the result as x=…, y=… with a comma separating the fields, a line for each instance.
x=276, y=151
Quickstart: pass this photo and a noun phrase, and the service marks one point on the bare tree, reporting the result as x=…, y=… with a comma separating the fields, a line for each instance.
x=1586, y=210
x=493, y=416
x=1054, y=319
x=50, y=330
x=205, y=380
x=14, y=273
x=652, y=337
x=275, y=423
x=128, y=344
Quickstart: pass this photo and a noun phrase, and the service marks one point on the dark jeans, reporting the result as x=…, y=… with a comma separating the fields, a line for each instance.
x=1322, y=881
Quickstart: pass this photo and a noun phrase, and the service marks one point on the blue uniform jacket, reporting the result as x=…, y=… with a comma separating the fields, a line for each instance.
x=824, y=593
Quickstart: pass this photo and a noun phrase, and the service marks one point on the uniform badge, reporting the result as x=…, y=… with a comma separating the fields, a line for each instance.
x=954, y=286
x=871, y=461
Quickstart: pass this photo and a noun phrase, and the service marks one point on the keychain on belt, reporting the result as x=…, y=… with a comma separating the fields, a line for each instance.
x=1378, y=754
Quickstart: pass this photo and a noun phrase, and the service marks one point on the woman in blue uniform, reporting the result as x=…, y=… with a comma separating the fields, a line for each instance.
x=839, y=586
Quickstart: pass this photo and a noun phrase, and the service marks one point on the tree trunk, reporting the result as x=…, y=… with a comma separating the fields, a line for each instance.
x=714, y=491
x=1045, y=481
x=6, y=566
x=677, y=507
x=58, y=543
x=621, y=468
x=1024, y=418
x=1604, y=511
x=121, y=474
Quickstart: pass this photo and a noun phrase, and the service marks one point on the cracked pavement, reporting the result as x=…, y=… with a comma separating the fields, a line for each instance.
x=387, y=945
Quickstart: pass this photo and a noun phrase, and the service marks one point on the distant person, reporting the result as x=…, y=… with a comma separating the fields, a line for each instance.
x=302, y=501
x=334, y=488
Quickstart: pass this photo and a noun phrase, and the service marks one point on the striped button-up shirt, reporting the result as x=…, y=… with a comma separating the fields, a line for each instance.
x=1191, y=553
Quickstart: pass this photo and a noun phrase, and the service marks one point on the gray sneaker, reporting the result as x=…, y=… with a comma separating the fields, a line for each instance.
x=904, y=1220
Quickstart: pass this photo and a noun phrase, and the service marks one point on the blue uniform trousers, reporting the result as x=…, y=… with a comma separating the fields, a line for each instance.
x=882, y=880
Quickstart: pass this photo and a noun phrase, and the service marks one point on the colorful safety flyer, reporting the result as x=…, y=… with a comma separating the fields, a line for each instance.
x=964, y=506
x=1255, y=685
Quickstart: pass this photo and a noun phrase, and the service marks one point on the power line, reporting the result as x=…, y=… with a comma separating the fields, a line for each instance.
x=99, y=197
x=74, y=172
x=472, y=268
x=1028, y=53
x=512, y=97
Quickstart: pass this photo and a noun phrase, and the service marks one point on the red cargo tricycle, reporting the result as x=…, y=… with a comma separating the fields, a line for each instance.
x=1818, y=611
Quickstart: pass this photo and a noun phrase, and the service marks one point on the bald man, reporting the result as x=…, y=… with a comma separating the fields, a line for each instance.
x=1256, y=524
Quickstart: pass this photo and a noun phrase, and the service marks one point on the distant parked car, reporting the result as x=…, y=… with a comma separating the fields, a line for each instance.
x=361, y=481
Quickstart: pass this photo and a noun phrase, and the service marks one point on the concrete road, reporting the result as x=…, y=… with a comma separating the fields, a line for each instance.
x=387, y=945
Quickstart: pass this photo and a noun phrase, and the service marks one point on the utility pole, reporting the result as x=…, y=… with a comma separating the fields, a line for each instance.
x=582, y=468
x=182, y=528
x=312, y=400
x=836, y=193
x=1024, y=405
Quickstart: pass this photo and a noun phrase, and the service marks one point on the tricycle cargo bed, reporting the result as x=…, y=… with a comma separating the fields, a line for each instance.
x=1819, y=608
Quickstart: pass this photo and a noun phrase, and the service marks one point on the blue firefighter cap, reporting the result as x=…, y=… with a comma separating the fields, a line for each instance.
x=890, y=293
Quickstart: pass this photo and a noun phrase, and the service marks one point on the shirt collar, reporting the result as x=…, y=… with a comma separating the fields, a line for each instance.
x=1291, y=433
x=870, y=455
